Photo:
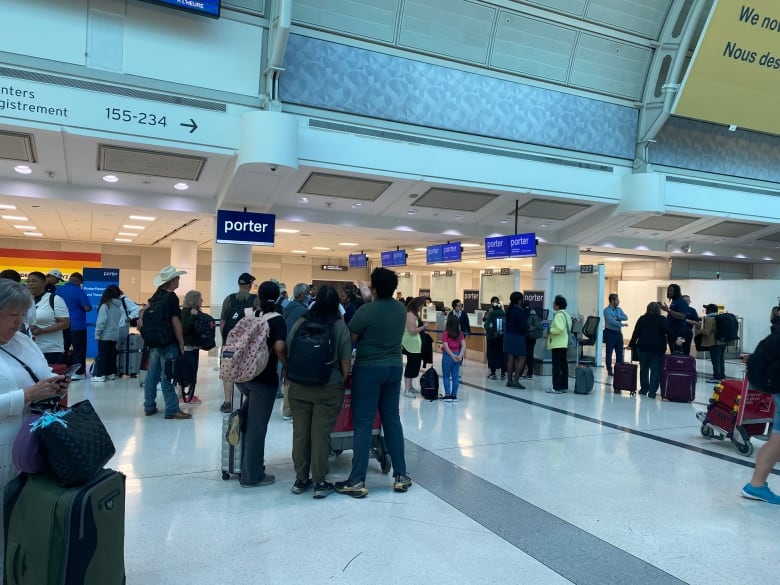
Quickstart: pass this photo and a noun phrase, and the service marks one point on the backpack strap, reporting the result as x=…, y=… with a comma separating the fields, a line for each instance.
x=127, y=313
x=51, y=303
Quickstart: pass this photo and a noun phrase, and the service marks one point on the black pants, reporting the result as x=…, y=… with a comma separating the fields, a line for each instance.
x=77, y=340
x=105, y=363
x=495, y=355
x=560, y=369
x=413, y=362
x=530, y=345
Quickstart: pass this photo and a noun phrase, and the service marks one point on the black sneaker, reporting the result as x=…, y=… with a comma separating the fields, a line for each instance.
x=301, y=486
x=323, y=489
x=402, y=482
x=492, y=376
x=226, y=407
x=356, y=489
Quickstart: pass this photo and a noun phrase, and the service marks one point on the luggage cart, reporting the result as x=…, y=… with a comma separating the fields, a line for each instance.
x=737, y=412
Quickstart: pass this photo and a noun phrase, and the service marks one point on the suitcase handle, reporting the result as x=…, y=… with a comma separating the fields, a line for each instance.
x=16, y=568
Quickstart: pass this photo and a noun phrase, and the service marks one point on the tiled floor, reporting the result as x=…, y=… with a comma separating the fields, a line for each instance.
x=511, y=486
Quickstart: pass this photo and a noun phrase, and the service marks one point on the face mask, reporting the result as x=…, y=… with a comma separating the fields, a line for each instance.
x=497, y=305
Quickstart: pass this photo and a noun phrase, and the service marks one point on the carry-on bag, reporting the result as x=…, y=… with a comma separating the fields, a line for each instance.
x=624, y=377
x=232, y=440
x=678, y=378
x=65, y=535
x=583, y=379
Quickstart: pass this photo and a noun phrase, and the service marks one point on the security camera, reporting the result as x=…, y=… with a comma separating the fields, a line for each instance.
x=273, y=168
x=587, y=249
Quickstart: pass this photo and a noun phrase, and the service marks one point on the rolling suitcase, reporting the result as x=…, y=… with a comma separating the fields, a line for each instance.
x=231, y=455
x=128, y=358
x=65, y=535
x=678, y=378
x=583, y=380
x=624, y=377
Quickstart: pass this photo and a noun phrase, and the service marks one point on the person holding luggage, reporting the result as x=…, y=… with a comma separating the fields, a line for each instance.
x=107, y=333
x=716, y=347
x=676, y=317
x=650, y=336
x=193, y=303
x=233, y=309
x=453, y=350
x=558, y=344
x=514, y=339
x=614, y=321
x=412, y=344
x=494, y=324
x=315, y=409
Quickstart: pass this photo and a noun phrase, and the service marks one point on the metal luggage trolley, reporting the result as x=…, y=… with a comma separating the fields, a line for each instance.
x=737, y=412
x=341, y=438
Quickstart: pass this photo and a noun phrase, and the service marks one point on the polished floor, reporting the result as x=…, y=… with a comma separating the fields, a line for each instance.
x=511, y=486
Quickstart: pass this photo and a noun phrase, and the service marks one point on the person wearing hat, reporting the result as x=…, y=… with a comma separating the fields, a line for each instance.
x=709, y=341
x=53, y=278
x=165, y=300
x=233, y=310
x=75, y=336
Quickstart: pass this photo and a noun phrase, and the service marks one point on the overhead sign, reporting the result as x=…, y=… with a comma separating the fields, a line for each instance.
x=734, y=77
x=208, y=8
x=516, y=246
x=241, y=227
x=434, y=254
x=334, y=267
x=30, y=101
x=586, y=268
x=358, y=261
x=559, y=269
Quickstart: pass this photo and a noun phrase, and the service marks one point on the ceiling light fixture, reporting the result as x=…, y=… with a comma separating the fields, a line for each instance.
x=357, y=205
x=122, y=240
x=303, y=200
x=411, y=211
x=23, y=169
x=181, y=186
x=134, y=227
x=505, y=220
x=142, y=217
x=286, y=231
x=34, y=234
x=14, y=217
x=131, y=234
x=110, y=178
x=298, y=251
x=348, y=244
x=319, y=248
x=421, y=249
x=25, y=227
x=3, y=206
x=469, y=245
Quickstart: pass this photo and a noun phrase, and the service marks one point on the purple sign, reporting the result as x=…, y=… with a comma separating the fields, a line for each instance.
x=497, y=247
x=434, y=254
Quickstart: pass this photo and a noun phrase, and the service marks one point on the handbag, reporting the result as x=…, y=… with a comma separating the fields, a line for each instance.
x=75, y=441
x=572, y=337
x=27, y=452
x=697, y=343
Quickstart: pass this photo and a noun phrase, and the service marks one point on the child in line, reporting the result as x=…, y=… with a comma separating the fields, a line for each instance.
x=453, y=346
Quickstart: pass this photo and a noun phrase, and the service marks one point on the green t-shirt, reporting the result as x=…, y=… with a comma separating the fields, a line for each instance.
x=380, y=326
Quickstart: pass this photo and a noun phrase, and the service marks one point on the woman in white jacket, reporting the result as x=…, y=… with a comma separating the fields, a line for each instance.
x=107, y=332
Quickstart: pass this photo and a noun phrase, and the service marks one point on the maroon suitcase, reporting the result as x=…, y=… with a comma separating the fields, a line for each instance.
x=624, y=377
x=678, y=378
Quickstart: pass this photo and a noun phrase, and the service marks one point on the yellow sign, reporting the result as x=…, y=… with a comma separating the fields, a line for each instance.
x=735, y=74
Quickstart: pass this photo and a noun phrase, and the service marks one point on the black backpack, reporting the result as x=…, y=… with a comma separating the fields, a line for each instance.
x=429, y=384
x=726, y=327
x=763, y=365
x=311, y=355
x=235, y=312
x=205, y=330
x=156, y=328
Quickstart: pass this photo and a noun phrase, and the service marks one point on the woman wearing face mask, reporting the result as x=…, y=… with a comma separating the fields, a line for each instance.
x=494, y=321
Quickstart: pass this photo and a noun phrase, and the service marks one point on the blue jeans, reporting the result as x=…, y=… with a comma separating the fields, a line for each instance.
x=450, y=369
x=649, y=371
x=718, y=361
x=157, y=358
x=614, y=342
x=373, y=388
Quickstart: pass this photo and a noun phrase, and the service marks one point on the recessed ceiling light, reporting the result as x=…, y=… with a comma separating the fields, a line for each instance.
x=505, y=220
x=23, y=169
x=469, y=245
x=298, y=251
x=458, y=216
x=25, y=227
x=421, y=249
x=348, y=244
x=412, y=211
x=134, y=227
x=142, y=217
x=122, y=240
x=34, y=234
x=110, y=178
x=320, y=248
x=181, y=186
x=14, y=217
x=131, y=234
x=286, y=231
x=7, y=206
x=303, y=200
x=357, y=205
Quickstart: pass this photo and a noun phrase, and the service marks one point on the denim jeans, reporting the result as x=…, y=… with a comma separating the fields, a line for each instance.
x=372, y=388
x=718, y=361
x=449, y=371
x=614, y=342
x=649, y=371
x=156, y=373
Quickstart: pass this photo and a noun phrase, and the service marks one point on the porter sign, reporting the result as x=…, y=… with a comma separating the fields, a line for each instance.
x=240, y=227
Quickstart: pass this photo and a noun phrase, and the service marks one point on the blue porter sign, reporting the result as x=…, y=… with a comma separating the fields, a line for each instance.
x=241, y=227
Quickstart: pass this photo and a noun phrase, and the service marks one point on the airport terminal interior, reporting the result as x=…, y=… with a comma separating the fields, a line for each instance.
x=630, y=144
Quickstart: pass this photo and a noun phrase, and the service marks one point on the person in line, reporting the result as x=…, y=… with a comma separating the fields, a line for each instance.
x=294, y=310
x=676, y=316
x=25, y=377
x=29, y=318
x=465, y=325
x=412, y=345
x=494, y=325
x=399, y=296
x=354, y=301
x=75, y=336
x=51, y=317
x=53, y=279
x=193, y=305
x=774, y=320
x=514, y=340
x=234, y=308
x=315, y=409
x=650, y=337
x=377, y=328
x=558, y=344
x=692, y=321
x=453, y=350
x=535, y=331
x=107, y=333
x=166, y=281
x=716, y=347
x=614, y=321
x=130, y=311
x=260, y=392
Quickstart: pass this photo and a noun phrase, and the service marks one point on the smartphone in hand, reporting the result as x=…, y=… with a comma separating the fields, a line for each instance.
x=72, y=370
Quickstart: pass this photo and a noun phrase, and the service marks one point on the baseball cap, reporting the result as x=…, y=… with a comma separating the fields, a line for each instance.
x=246, y=278
x=55, y=273
x=711, y=308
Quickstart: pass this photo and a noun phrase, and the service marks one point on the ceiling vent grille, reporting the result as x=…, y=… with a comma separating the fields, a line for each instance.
x=666, y=223
x=731, y=229
x=547, y=209
x=342, y=187
x=149, y=163
x=16, y=146
x=454, y=199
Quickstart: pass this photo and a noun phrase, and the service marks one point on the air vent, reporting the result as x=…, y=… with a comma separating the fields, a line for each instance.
x=149, y=163
x=731, y=229
x=343, y=187
x=454, y=199
x=16, y=146
x=546, y=209
x=665, y=223
x=711, y=185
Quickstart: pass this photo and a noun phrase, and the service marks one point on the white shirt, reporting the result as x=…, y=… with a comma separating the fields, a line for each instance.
x=45, y=317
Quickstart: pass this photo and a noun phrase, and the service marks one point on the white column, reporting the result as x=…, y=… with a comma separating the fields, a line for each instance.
x=544, y=278
x=228, y=262
x=184, y=256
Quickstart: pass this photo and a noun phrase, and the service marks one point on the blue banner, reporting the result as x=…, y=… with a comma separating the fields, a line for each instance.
x=358, y=261
x=434, y=254
x=451, y=252
x=241, y=227
x=208, y=8
x=522, y=245
x=95, y=282
x=399, y=258
x=497, y=247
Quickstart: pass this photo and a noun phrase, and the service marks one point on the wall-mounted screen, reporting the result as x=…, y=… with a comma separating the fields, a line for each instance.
x=358, y=261
x=393, y=258
x=433, y=254
x=208, y=8
x=451, y=252
x=516, y=246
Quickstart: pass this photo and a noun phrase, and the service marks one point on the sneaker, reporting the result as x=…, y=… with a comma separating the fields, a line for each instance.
x=111, y=377
x=554, y=391
x=453, y=399
x=651, y=394
x=193, y=400
x=322, y=489
x=287, y=417
x=712, y=381
x=409, y=394
x=226, y=407
x=267, y=480
x=301, y=486
x=643, y=392
x=402, y=482
x=492, y=376
x=446, y=397
x=356, y=489
x=76, y=377
x=503, y=375
x=233, y=435
x=762, y=493
x=519, y=386
x=98, y=378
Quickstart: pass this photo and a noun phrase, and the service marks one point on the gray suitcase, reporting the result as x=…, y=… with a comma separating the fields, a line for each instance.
x=128, y=363
x=131, y=342
x=231, y=456
x=583, y=380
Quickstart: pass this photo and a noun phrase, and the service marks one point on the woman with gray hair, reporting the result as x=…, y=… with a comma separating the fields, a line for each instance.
x=24, y=376
x=193, y=301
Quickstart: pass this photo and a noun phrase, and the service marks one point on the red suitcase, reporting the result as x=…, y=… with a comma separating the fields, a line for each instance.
x=678, y=378
x=624, y=377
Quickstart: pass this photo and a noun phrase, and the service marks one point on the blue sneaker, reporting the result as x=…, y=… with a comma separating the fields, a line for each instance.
x=762, y=493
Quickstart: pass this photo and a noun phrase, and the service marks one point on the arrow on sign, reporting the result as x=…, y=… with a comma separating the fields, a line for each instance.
x=192, y=125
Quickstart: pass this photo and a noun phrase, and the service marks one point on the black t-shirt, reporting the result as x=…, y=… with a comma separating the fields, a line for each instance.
x=277, y=329
x=173, y=310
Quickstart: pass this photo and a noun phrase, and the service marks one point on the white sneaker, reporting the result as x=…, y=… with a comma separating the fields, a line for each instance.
x=98, y=378
x=111, y=377
x=77, y=377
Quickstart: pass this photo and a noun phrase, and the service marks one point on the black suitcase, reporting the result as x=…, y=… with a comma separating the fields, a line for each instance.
x=65, y=535
x=624, y=377
x=231, y=455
